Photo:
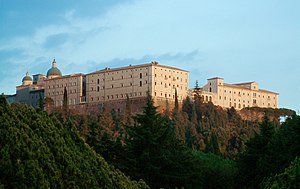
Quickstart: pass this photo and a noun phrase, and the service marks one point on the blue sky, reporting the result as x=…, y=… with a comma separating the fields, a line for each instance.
x=239, y=40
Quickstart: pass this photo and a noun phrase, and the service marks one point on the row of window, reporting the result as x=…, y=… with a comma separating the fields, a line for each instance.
x=62, y=85
x=170, y=71
x=169, y=77
x=118, y=96
x=121, y=85
x=239, y=93
x=62, y=92
x=254, y=104
x=166, y=95
x=60, y=102
x=122, y=77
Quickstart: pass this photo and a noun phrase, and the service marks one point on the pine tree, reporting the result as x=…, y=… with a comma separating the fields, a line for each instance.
x=153, y=152
x=251, y=161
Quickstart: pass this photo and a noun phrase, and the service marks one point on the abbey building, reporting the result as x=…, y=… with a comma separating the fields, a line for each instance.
x=112, y=87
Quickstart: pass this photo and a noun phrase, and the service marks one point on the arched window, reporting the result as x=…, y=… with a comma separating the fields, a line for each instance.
x=209, y=89
x=210, y=99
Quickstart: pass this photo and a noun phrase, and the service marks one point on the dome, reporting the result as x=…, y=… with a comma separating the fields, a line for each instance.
x=54, y=71
x=27, y=78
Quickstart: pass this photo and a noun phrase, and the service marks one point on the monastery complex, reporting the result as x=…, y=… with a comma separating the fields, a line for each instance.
x=112, y=86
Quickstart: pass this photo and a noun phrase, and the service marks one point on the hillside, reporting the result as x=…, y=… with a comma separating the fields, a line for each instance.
x=37, y=151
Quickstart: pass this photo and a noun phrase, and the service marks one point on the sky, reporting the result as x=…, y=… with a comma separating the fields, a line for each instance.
x=238, y=40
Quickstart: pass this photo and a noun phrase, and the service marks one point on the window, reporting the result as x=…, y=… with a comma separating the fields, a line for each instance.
x=112, y=86
x=98, y=81
x=98, y=88
x=141, y=83
x=141, y=75
x=254, y=101
x=209, y=89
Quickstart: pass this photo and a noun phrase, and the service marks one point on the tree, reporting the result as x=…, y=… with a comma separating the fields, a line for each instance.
x=288, y=179
x=65, y=107
x=187, y=106
x=154, y=154
x=176, y=109
x=41, y=102
x=127, y=115
x=38, y=151
x=251, y=163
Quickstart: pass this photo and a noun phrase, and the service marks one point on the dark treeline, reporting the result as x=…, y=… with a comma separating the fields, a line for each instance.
x=38, y=151
x=196, y=146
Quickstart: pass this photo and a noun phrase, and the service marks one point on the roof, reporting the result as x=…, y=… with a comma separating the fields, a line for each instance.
x=66, y=76
x=134, y=67
x=54, y=71
x=215, y=78
x=27, y=77
x=240, y=87
x=246, y=83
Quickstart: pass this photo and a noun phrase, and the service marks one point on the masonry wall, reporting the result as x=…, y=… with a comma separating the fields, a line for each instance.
x=241, y=95
x=54, y=88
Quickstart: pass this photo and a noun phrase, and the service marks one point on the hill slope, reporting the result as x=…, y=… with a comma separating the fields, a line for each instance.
x=37, y=151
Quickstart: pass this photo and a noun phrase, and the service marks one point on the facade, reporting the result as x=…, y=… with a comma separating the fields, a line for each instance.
x=55, y=86
x=31, y=92
x=238, y=95
x=114, y=85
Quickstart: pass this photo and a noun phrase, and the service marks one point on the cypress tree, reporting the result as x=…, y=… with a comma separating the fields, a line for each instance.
x=65, y=103
x=176, y=109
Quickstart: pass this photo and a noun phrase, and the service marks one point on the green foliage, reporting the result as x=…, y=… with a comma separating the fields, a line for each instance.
x=215, y=172
x=37, y=151
x=289, y=179
x=270, y=152
x=157, y=156
x=154, y=154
